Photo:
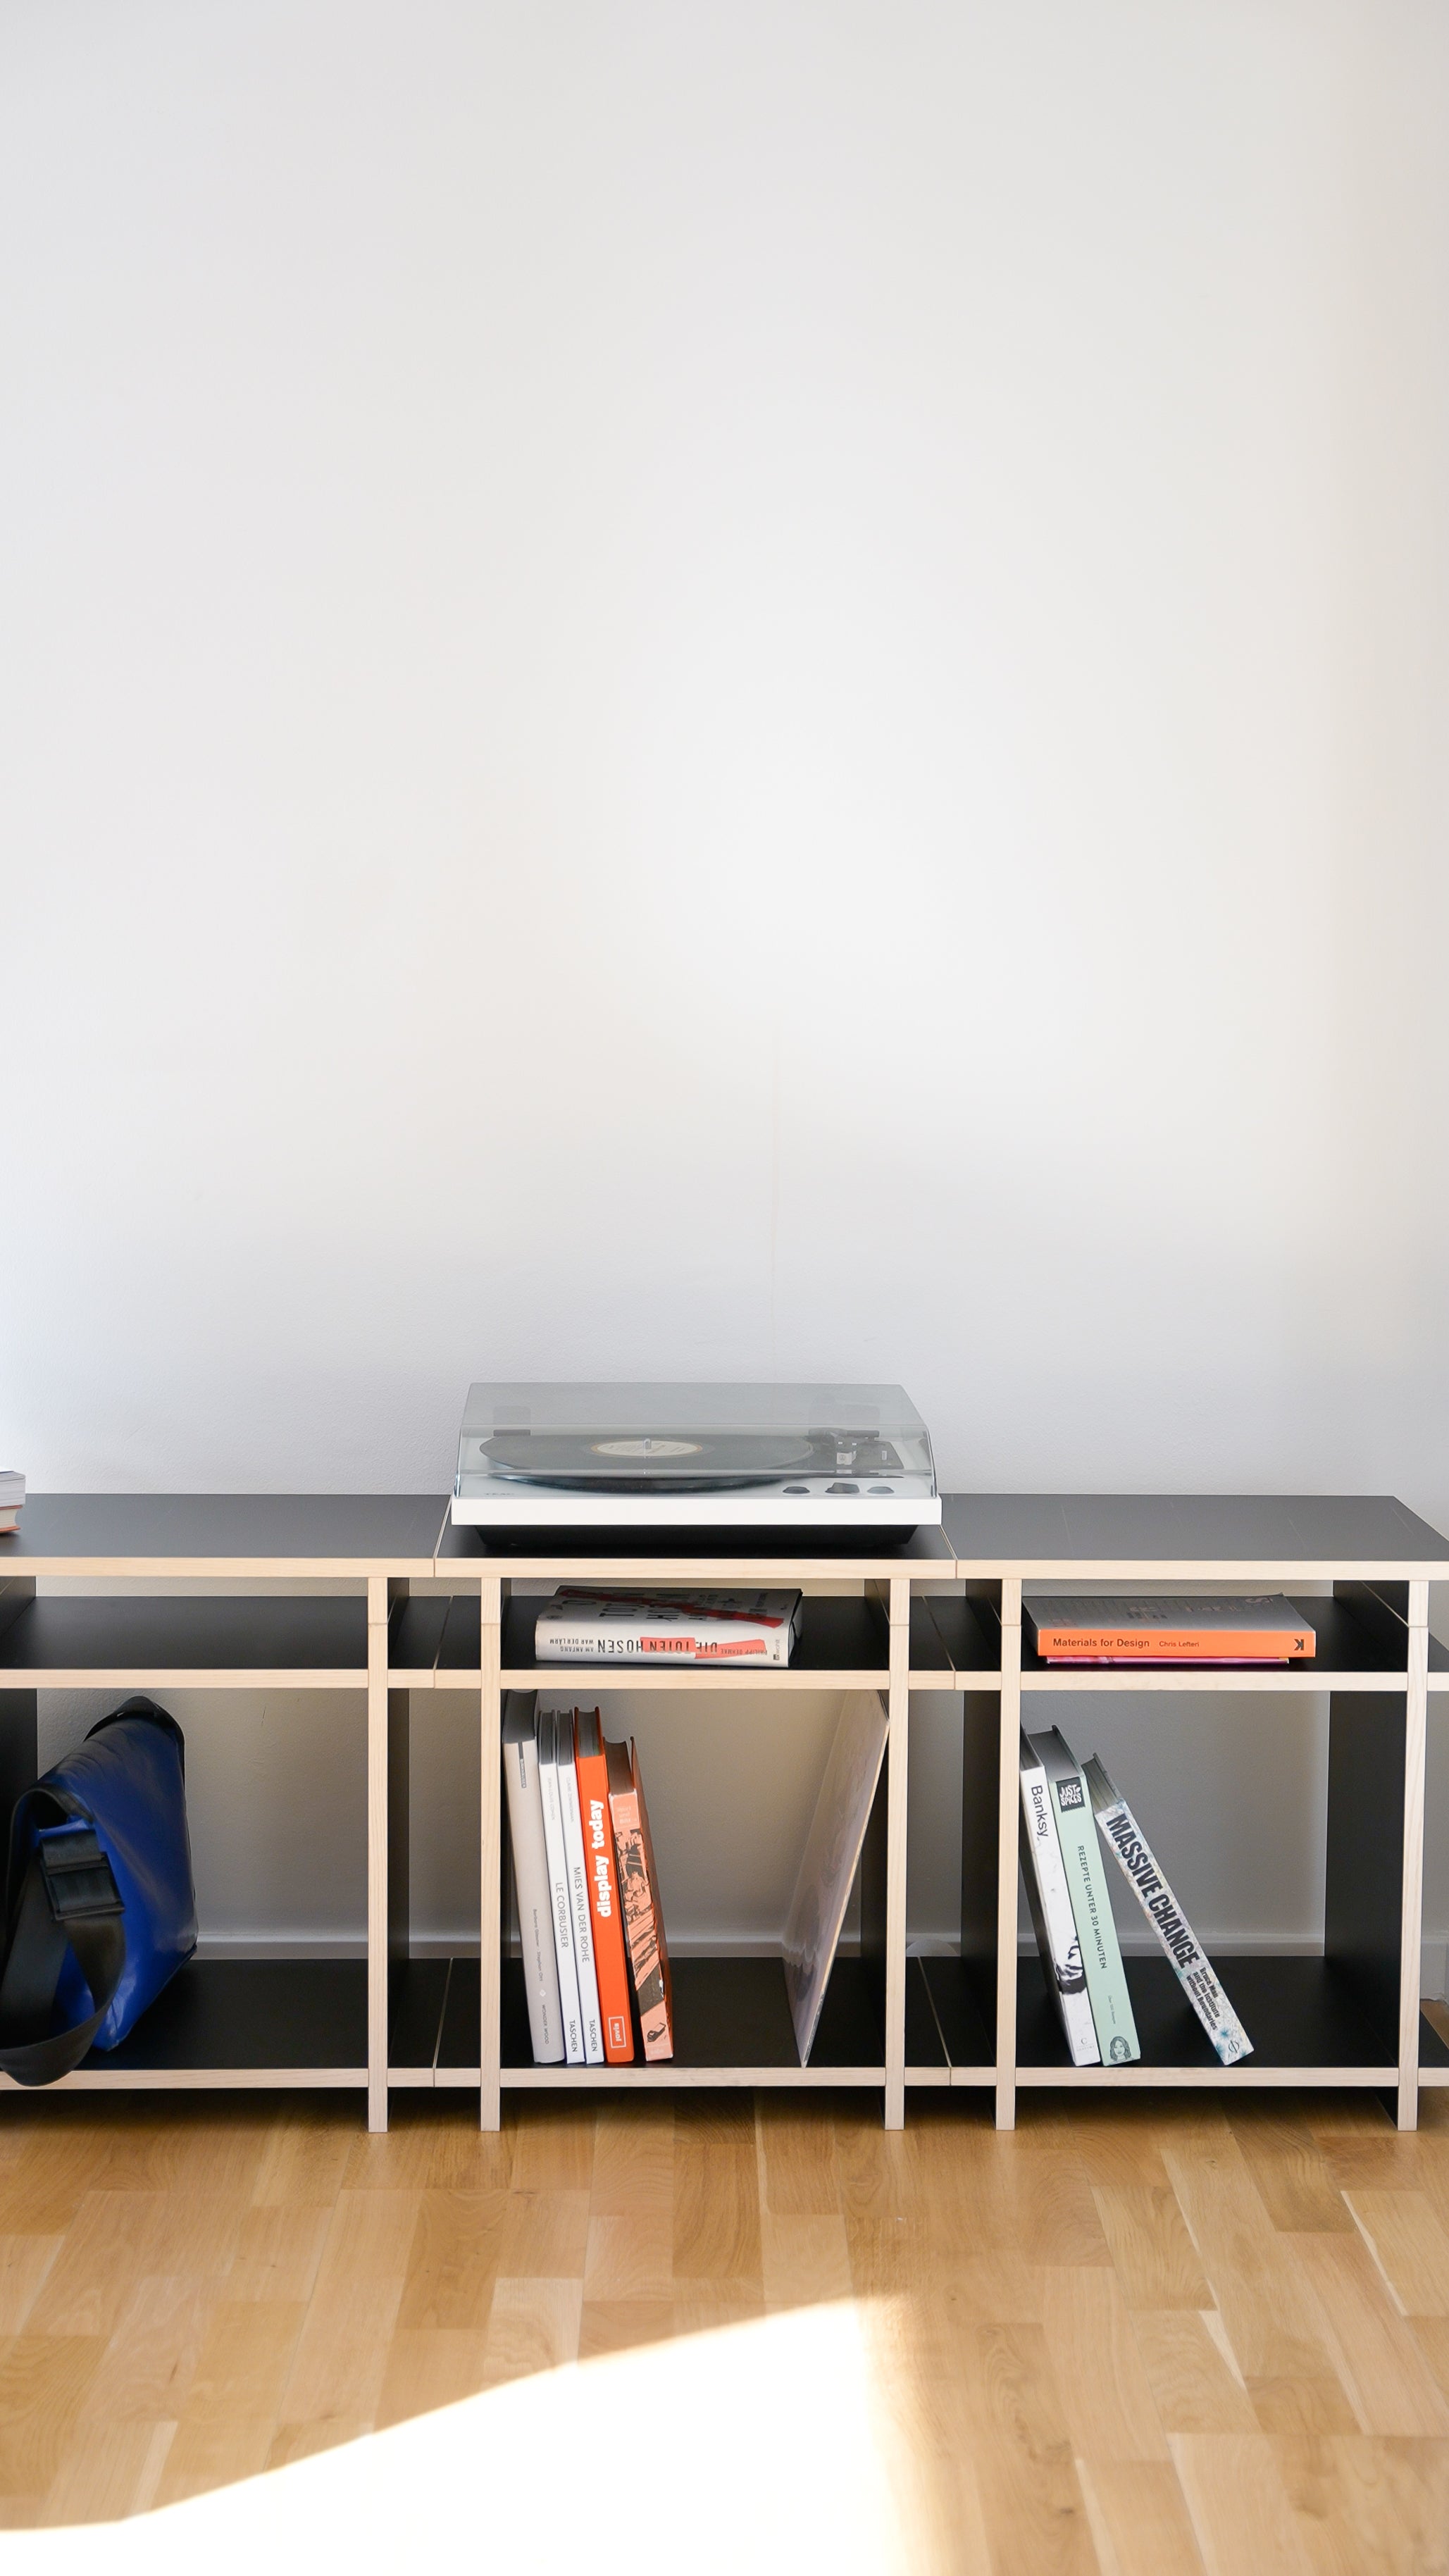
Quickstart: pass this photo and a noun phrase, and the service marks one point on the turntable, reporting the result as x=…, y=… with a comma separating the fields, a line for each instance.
x=843, y=1465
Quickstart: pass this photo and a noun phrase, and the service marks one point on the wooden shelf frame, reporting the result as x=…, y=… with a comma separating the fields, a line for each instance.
x=425, y=1608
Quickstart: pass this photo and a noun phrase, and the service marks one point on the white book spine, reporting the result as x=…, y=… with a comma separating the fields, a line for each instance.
x=560, y=1903
x=1124, y=1836
x=1082, y=1859
x=535, y=1903
x=1051, y=1912
x=581, y=1919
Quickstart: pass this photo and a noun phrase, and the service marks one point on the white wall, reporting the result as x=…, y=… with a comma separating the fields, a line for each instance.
x=742, y=690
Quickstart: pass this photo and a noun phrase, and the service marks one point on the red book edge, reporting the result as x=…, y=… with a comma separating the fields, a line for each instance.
x=611, y=1964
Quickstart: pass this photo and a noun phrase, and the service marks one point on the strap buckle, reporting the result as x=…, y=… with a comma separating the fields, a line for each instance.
x=79, y=1882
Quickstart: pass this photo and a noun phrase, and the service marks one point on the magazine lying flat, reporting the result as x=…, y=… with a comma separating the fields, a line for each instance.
x=583, y=1625
x=1128, y=1843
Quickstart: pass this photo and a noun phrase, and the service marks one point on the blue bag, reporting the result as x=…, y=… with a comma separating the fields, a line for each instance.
x=100, y=1906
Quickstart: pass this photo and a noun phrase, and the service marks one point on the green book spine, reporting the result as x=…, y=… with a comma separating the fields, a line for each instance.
x=1087, y=1883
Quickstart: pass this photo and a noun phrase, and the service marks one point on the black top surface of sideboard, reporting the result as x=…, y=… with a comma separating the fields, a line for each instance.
x=1168, y=1529
x=367, y=1528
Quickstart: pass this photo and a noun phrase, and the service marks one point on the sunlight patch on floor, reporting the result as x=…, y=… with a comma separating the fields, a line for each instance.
x=753, y=2446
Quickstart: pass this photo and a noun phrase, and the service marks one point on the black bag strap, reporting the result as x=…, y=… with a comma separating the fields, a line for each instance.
x=68, y=1899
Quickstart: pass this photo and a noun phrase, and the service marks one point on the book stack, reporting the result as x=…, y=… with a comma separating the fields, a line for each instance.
x=595, y=1961
x=1061, y=1802
x=12, y=1498
x=584, y=1626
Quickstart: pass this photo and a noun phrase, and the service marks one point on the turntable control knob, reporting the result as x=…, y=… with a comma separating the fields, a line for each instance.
x=839, y=1488
x=796, y=1489
x=880, y=1489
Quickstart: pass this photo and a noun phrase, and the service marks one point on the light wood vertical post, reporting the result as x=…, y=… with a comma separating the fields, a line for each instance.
x=1008, y=1814
x=490, y=1946
x=1416, y=1712
x=898, y=1747
x=378, y=1908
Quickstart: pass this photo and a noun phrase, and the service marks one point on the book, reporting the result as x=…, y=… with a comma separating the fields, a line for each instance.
x=639, y=1894
x=611, y=1959
x=584, y=1625
x=531, y=1878
x=560, y=1902
x=1081, y=1857
x=828, y=1862
x=1129, y=1845
x=12, y=1498
x=1192, y=1628
x=1053, y=1921
x=581, y=1920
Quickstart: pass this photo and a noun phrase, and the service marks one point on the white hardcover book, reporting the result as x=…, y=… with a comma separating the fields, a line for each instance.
x=1053, y=1921
x=582, y=1624
x=530, y=1876
x=581, y=1917
x=560, y=1902
x=1082, y=1859
x=1125, y=1838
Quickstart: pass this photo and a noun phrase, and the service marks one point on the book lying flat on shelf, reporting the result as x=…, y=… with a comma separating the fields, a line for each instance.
x=1190, y=1629
x=1052, y=1918
x=828, y=1863
x=610, y=1956
x=639, y=1893
x=581, y=1918
x=1128, y=1843
x=12, y=1498
x=560, y=1900
x=1071, y=1809
x=531, y=1877
x=584, y=1625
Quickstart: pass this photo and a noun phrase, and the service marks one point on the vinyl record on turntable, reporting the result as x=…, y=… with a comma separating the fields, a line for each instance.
x=668, y=1462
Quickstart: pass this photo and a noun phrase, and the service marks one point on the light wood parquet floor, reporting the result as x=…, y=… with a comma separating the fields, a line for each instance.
x=1143, y=2335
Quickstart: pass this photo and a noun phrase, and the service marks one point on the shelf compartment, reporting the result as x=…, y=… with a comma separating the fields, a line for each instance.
x=955, y=1644
x=733, y=2026
x=1352, y=1655
x=1303, y=2015
x=843, y=1644
x=417, y=1993
x=282, y=1643
x=241, y=2023
x=962, y=2037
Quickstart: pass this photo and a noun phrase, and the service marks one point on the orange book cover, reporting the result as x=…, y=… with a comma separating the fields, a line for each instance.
x=639, y=1892
x=610, y=1962
x=1162, y=1630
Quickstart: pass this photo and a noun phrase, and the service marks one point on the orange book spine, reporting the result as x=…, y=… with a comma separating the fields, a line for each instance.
x=610, y=1961
x=638, y=1886
x=1176, y=1645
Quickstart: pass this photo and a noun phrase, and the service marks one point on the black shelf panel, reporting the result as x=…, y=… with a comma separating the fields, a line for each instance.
x=458, y=2042
x=1433, y=2050
x=225, y=1635
x=416, y=1993
x=1346, y=1644
x=728, y=2013
x=923, y=2036
x=957, y=2011
x=836, y=1636
x=218, y=2014
x=1296, y=2012
x=954, y=1636
x=415, y=1634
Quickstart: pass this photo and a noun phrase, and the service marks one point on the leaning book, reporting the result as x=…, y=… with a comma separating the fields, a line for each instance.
x=1051, y=1913
x=1121, y=1831
x=1091, y=1905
